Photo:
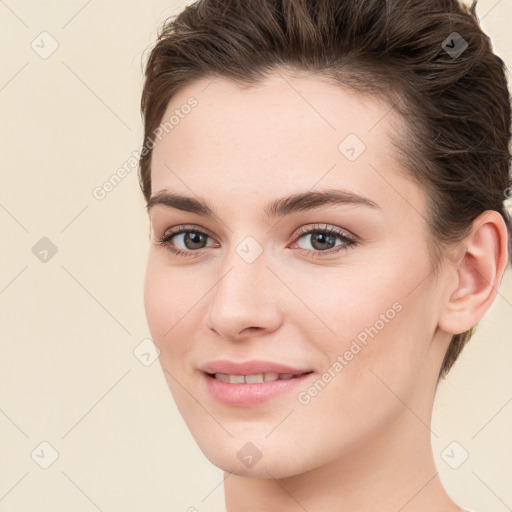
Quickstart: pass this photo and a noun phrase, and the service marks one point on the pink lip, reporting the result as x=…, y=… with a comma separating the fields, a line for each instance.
x=249, y=394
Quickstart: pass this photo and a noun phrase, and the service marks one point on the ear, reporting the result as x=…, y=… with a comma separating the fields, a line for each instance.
x=474, y=272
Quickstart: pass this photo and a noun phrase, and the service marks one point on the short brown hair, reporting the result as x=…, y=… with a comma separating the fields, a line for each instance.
x=456, y=104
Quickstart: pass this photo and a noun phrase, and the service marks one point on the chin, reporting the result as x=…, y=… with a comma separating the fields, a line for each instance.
x=260, y=458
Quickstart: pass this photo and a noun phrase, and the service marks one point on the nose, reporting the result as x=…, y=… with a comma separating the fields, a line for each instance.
x=245, y=302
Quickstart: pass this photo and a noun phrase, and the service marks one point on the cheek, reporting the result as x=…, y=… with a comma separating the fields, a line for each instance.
x=348, y=302
x=158, y=299
x=357, y=393
x=393, y=359
x=169, y=300
x=377, y=320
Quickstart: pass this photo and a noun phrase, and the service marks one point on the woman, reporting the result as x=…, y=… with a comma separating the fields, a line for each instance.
x=325, y=182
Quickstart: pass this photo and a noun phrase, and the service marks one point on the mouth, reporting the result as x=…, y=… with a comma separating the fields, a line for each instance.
x=251, y=383
x=256, y=378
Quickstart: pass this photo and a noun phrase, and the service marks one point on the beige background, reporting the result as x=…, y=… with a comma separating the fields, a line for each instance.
x=69, y=326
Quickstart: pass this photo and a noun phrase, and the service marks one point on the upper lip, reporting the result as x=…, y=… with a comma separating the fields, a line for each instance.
x=252, y=367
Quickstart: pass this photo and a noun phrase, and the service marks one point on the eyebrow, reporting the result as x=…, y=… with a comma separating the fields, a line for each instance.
x=298, y=202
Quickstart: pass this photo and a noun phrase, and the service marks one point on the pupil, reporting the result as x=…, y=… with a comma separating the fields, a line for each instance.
x=321, y=236
x=195, y=237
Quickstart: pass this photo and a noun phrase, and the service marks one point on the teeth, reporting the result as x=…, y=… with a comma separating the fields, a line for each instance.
x=254, y=378
x=259, y=377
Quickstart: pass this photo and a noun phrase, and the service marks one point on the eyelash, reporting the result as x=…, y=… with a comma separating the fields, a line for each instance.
x=349, y=242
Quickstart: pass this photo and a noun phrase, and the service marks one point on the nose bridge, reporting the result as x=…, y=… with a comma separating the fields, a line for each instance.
x=244, y=295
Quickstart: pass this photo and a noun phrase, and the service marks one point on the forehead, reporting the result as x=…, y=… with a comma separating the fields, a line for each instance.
x=297, y=107
x=288, y=131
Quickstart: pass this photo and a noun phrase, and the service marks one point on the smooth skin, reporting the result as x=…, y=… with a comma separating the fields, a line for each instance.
x=363, y=443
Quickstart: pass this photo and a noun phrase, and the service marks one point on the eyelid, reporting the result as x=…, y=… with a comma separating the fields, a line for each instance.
x=176, y=230
x=325, y=227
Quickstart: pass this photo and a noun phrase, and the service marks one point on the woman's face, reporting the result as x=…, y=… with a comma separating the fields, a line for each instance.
x=350, y=312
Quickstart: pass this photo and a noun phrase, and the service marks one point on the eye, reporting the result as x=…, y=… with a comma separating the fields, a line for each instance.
x=192, y=240
x=323, y=240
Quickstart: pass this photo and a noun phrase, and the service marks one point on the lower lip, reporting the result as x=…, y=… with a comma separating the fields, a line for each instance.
x=246, y=395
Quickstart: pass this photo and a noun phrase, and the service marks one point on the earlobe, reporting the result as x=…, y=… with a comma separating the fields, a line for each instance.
x=475, y=267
